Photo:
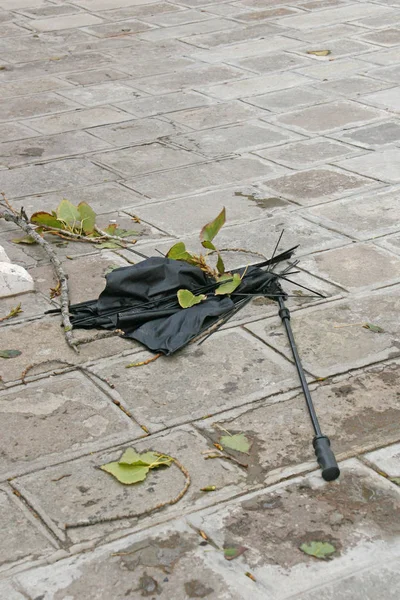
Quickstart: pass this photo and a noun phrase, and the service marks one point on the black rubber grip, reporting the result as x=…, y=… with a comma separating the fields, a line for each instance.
x=325, y=457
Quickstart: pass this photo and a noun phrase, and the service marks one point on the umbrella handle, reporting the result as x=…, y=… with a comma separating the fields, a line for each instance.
x=325, y=458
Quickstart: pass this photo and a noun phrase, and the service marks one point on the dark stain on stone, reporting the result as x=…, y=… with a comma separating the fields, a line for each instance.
x=148, y=586
x=197, y=589
x=32, y=152
x=229, y=387
x=158, y=553
x=264, y=203
x=83, y=489
x=343, y=390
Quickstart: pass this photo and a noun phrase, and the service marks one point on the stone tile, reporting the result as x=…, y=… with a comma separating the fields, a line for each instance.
x=246, y=49
x=390, y=242
x=243, y=34
x=215, y=115
x=95, y=77
x=327, y=349
x=365, y=216
x=64, y=22
x=190, y=77
x=372, y=136
x=355, y=267
x=356, y=514
x=15, y=131
x=158, y=105
x=114, y=29
x=385, y=37
x=101, y=94
x=385, y=58
x=237, y=138
x=343, y=14
x=26, y=88
x=387, y=73
x=241, y=380
x=17, y=153
x=169, y=559
x=336, y=69
x=300, y=155
x=147, y=158
x=190, y=29
x=178, y=17
x=387, y=99
x=57, y=418
x=382, y=165
x=40, y=104
x=352, y=86
x=148, y=66
x=32, y=305
x=90, y=493
x=136, y=131
x=253, y=86
x=49, y=11
x=387, y=19
x=108, y=4
x=318, y=185
x=103, y=198
x=287, y=100
x=9, y=592
x=330, y=117
x=15, y=4
x=264, y=15
x=36, y=179
x=21, y=539
x=338, y=48
x=329, y=33
x=386, y=459
x=42, y=340
x=350, y=417
x=140, y=11
x=78, y=119
x=11, y=29
x=268, y=63
x=187, y=215
x=14, y=280
x=194, y=179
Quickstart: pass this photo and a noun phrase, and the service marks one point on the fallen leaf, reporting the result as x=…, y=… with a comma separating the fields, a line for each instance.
x=238, y=442
x=133, y=467
x=208, y=488
x=68, y=213
x=110, y=245
x=55, y=291
x=46, y=219
x=203, y=534
x=111, y=268
x=374, y=328
x=179, y=252
x=210, y=230
x=87, y=217
x=186, y=299
x=27, y=239
x=219, y=447
x=320, y=550
x=395, y=480
x=250, y=576
x=13, y=313
x=135, y=219
x=230, y=286
x=10, y=353
x=232, y=552
x=319, y=52
x=127, y=474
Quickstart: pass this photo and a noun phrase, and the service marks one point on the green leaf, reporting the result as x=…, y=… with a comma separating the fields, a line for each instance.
x=232, y=552
x=220, y=265
x=125, y=232
x=10, y=353
x=110, y=229
x=110, y=245
x=395, y=480
x=318, y=549
x=67, y=212
x=230, y=286
x=238, y=442
x=127, y=474
x=87, y=217
x=374, y=328
x=24, y=240
x=186, y=299
x=46, y=219
x=210, y=230
x=179, y=252
x=208, y=245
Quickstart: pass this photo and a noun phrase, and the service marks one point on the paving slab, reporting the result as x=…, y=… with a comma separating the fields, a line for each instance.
x=386, y=460
x=366, y=267
x=381, y=165
x=391, y=73
x=40, y=104
x=327, y=349
x=343, y=14
x=64, y=22
x=189, y=29
x=248, y=48
x=22, y=538
x=79, y=119
x=238, y=35
x=103, y=93
x=156, y=105
x=372, y=136
x=99, y=496
x=55, y=419
x=237, y=379
x=355, y=515
x=36, y=179
x=387, y=99
x=365, y=216
x=15, y=131
x=106, y=30
x=353, y=86
x=95, y=77
x=268, y=63
x=224, y=113
x=281, y=434
x=253, y=86
x=387, y=37
x=286, y=100
x=26, y=88
x=136, y=131
x=391, y=242
x=32, y=304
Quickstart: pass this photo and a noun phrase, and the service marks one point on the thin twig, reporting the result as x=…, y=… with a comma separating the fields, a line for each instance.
x=108, y=236
x=133, y=515
x=144, y=362
x=22, y=221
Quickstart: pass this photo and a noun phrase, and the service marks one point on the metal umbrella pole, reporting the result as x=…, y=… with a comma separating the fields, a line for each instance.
x=322, y=446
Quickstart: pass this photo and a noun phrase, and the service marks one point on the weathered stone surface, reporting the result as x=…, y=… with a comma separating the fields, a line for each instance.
x=319, y=185
x=387, y=37
x=334, y=70
x=350, y=416
x=32, y=305
x=242, y=34
x=300, y=155
x=386, y=459
x=287, y=100
x=95, y=77
x=391, y=73
x=215, y=115
x=382, y=165
x=55, y=419
x=103, y=93
x=156, y=105
x=78, y=119
x=200, y=177
x=181, y=31
x=15, y=131
x=138, y=160
x=391, y=242
x=336, y=15
x=100, y=496
x=355, y=267
x=114, y=29
x=352, y=86
x=229, y=52
x=22, y=539
x=14, y=280
x=330, y=117
x=270, y=62
x=64, y=22
x=134, y=132
x=356, y=515
x=372, y=136
x=35, y=86
x=387, y=99
x=37, y=179
x=253, y=86
x=326, y=348
x=9, y=592
x=41, y=104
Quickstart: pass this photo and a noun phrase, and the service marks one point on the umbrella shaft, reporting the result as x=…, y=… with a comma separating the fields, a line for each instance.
x=285, y=316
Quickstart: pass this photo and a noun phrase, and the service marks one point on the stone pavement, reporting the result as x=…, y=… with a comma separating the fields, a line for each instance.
x=169, y=110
